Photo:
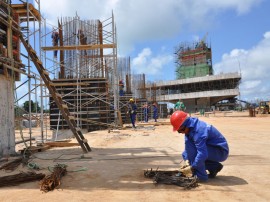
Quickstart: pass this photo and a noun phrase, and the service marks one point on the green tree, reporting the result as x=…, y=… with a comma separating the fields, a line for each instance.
x=34, y=106
x=19, y=111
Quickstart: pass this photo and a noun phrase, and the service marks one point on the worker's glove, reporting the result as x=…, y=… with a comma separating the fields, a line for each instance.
x=132, y=112
x=187, y=171
x=185, y=165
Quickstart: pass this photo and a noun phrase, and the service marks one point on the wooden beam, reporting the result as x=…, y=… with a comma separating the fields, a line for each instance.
x=79, y=47
x=70, y=84
x=62, y=64
x=21, y=9
x=62, y=144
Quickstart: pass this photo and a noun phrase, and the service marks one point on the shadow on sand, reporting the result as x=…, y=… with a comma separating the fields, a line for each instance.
x=226, y=181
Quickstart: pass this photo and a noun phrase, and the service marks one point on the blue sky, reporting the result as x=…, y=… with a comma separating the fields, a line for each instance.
x=148, y=31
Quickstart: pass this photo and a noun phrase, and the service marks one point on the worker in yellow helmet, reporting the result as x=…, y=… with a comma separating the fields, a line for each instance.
x=132, y=107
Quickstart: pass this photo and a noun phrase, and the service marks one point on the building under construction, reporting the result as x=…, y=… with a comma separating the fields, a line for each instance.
x=196, y=85
x=85, y=73
x=70, y=69
x=193, y=60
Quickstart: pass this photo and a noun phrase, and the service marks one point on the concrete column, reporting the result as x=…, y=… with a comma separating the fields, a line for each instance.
x=7, y=132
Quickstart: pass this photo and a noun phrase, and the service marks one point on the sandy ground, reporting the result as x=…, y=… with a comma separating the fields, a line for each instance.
x=114, y=169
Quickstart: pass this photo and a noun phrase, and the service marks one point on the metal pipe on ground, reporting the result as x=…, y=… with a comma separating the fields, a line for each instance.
x=25, y=140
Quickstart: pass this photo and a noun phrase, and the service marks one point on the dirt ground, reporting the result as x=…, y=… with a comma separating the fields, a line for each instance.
x=113, y=171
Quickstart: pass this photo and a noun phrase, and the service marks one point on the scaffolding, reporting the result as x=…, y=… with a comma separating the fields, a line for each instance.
x=20, y=18
x=85, y=73
x=193, y=60
x=80, y=63
x=77, y=76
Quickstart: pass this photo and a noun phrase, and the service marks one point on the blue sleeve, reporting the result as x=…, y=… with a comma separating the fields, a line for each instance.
x=202, y=153
x=184, y=155
x=200, y=138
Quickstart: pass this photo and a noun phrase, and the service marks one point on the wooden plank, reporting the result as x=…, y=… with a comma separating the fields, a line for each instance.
x=79, y=47
x=58, y=95
x=120, y=118
x=58, y=100
x=62, y=144
x=34, y=149
x=71, y=117
x=21, y=9
x=70, y=84
x=45, y=72
x=33, y=51
x=64, y=106
x=39, y=62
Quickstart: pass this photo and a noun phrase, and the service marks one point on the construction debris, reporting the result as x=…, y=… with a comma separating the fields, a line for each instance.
x=52, y=181
x=13, y=164
x=3, y=160
x=34, y=149
x=12, y=180
x=171, y=178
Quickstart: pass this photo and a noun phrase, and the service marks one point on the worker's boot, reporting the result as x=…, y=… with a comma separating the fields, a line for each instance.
x=213, y=173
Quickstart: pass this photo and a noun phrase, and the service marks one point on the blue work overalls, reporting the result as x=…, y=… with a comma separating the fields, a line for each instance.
x=155, y=112
x=205, y=147
x=132, y=113
x=145, y=113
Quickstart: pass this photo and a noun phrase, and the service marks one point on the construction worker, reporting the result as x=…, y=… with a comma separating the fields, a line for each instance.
x=55, y=39
x=132, y=111
x=121, y=88
x=82, y=38
x=179, y=106
x=155, y=111
x=205, y=146
x=146, y=112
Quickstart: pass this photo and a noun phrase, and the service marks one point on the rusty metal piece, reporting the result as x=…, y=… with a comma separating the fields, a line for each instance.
x=52, y=181
x=13, y=164
x=171, y=178
x=12, y=180
x=152, y=173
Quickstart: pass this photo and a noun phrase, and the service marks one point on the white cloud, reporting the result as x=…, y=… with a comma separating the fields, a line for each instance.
x=146, y=62
x=267, y=35
x=241, y=6
x=254, y=65
x=140, y=21
x=142, y=57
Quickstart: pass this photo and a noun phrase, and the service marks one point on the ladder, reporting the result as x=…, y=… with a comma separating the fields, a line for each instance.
x=56, y=96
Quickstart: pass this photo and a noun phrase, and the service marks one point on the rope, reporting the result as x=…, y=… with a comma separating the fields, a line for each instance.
x=64, y=166
x=57, y=165
x=78, y=170
x=33, y=166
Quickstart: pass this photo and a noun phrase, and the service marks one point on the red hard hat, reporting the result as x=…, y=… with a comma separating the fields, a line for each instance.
x=177, y=119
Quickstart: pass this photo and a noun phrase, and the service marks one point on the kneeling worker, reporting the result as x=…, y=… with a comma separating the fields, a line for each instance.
x=205, y=146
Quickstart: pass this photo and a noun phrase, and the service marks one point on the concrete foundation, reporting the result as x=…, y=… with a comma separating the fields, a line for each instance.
x=64, y=134
x=7, y=132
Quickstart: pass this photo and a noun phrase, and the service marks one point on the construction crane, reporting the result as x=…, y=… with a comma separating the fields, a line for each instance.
x=249, y=104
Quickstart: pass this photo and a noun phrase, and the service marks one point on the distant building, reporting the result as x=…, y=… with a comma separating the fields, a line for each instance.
x=196, y=85
x=193, y=60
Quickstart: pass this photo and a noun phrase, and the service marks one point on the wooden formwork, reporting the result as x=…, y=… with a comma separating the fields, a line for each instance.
x=88, y=102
